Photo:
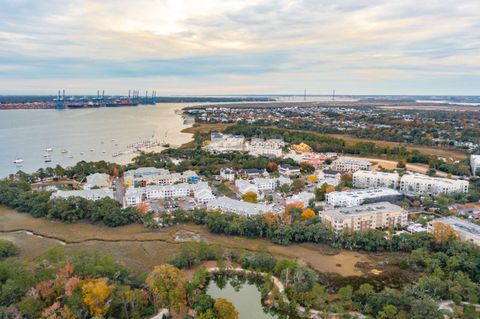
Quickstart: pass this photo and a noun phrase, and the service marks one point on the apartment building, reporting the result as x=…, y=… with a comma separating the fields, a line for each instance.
x=202, y=192
x=354, y=197
x=475, y=164
x=226, y=204
x=224, y=143
x=369, y=216
x=262, y=147
x=90, y=194
x=144, y=176
x=367, y=179
x=418, y=184
x=288, y=170
x=465, y=230
x=351, y=164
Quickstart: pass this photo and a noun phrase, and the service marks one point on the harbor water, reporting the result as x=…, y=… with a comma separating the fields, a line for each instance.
x=85, y=134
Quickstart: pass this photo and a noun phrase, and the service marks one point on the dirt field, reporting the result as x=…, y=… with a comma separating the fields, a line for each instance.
x=142, y=248
x=205, y=128
x=450, y=155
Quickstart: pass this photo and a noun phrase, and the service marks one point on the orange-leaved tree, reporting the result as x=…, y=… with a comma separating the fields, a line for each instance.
x=308, y=213
x=442, y=232
x=250, y=197
x=167, y=286
x=225, y=309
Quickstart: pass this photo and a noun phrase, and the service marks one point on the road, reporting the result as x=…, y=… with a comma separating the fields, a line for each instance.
x=119, y=189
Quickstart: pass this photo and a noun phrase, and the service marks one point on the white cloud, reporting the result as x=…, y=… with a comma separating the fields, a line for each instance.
x=280, y=45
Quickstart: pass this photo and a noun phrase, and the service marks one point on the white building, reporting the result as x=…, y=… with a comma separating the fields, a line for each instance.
x=351, y=164
x=227, y=174
x=262, y=147
x=354, y=197
x=202, y=192
x=98, y=180
x=134, y=196
x=288, y=170
x=475, y=164
x=367, y=179
x=246, y=186
x=370, y=216
x=144, y=176
x=465, y=230
x=90, y=194
x=224, y=143
x=418, y=184
x=226, y=204
x=266, y=184
x=303, y=197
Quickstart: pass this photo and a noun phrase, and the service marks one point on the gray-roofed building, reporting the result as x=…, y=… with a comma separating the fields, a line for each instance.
x=226, y=204
x=90, y=194
x=466, y=231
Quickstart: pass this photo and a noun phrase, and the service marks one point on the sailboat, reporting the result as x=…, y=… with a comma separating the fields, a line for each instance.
x=165, y=143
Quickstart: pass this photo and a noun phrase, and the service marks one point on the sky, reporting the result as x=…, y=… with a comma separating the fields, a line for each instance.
x=188, y=47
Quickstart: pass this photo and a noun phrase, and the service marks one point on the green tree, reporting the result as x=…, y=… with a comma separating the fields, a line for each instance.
x=225, y=309
x=167, y=285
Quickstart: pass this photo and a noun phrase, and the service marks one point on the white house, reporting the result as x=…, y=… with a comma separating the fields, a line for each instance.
x=418, y=184
x=245, y=186
x=227, y=174
x=367, y=179
x=202, y=192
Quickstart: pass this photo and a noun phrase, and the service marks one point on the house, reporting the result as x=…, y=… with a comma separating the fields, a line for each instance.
x=226, y=204
x=227, y=174
x=369, y=216
x=252, y=173
x=288, y=170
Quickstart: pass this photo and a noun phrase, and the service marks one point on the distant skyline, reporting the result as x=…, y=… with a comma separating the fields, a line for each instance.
x=220, y=47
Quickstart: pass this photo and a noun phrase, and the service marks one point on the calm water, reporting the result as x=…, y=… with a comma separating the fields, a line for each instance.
x=27, y=133
x=247, y=300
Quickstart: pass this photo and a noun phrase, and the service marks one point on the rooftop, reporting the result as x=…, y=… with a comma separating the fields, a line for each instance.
x=378, y=208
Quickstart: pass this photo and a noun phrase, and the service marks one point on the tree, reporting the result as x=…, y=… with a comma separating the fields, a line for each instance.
x=388, y=312
x=96, y=295
x=312, y=179
x=116, y=172
x=272, y=167
x=425, y=309
x=442, y=232
x=225, y=309
x=401, y=164
x=8, y=249
x=250, y=197
x=308, y=213
x=167, y=285
x=298, y=185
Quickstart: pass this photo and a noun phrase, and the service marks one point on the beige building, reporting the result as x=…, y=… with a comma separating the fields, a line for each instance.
x=369, y=216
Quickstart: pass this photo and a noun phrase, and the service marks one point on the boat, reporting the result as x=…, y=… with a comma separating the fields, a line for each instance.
x=64, y=151
x=81, y=153
x=18, y=161
x=48, y=159
x=49, y=150
x=46, y=155
x=70, y=156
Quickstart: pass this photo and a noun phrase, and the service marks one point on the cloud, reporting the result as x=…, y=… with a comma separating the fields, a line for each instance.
x=279, y=45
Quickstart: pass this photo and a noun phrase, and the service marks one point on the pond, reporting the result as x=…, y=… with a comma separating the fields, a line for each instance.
x=245, y=297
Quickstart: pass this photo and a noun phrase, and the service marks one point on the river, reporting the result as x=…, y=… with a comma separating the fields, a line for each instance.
x=95, y=132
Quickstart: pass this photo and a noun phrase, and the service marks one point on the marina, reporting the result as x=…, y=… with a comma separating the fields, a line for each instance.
x=32, y=139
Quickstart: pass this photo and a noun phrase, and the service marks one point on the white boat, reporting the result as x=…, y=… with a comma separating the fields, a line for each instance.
x=64, y=151
x=70, y=156
x=49, y=150
x=46, y=155
x=18, y=161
